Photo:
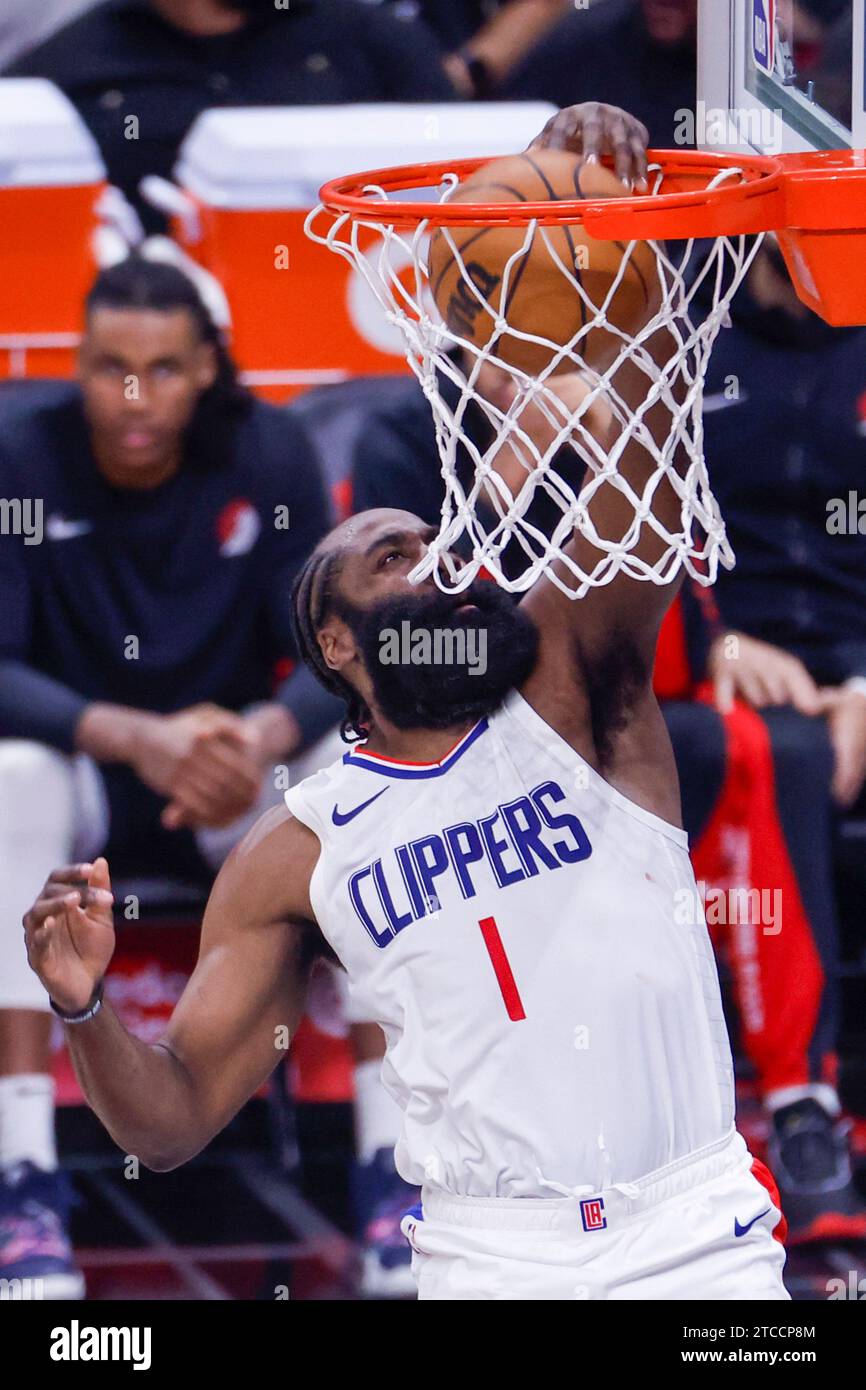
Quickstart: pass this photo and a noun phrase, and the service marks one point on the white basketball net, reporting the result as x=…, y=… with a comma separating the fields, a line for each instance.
x=697, y=282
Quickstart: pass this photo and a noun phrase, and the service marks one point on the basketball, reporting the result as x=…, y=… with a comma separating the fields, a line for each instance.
x=538, y=299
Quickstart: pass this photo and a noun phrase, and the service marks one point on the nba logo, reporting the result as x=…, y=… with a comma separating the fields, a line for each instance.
x=592, y=1214
x=764, y=35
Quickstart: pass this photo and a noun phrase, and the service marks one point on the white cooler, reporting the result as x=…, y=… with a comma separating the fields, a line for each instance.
x=246, y=180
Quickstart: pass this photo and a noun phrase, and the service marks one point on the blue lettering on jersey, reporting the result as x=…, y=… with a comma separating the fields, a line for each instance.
x=569, y=854
x=431, y=859
x=357, y=900
x=519, y=840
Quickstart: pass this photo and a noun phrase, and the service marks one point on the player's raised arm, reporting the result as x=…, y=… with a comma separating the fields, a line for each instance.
x=243, y=1001
x=625, y=608
x=593, y=678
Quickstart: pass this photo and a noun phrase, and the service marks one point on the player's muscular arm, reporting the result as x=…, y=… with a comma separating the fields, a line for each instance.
x=165, y=1102
x=615, y=624
x=623, y=616
x=593, y=681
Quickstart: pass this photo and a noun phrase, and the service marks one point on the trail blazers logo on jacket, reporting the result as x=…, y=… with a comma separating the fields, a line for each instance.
x=238, y=527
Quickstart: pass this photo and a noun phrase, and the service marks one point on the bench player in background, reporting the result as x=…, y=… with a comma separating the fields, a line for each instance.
x=497, y=868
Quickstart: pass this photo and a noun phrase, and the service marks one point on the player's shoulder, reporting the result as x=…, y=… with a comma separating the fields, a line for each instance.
x=276, y=830
x=313, y=798
x=270, y=869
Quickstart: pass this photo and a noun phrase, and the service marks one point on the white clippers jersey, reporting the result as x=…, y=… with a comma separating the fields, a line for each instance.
x=533, y=946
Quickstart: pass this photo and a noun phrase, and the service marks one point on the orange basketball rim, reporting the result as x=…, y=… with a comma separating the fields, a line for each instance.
x=815, y=203
x=542, y=383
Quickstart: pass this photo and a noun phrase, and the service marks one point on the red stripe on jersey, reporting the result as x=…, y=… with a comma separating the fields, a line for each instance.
x=507, y=983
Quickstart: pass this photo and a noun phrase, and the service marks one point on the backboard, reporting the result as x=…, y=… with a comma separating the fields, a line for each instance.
x=781, y=76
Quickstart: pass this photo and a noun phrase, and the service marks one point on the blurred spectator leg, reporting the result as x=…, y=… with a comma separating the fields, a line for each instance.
x=43, y=804
x=809, y=1146
x=803, y=765
x=381, y=1197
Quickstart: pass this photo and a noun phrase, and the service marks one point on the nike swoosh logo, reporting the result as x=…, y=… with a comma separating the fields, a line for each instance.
x=741, y=1230
x=57, y=528
x=339, y=818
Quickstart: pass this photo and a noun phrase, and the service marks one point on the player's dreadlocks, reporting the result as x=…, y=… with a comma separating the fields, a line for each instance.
x=313, y=597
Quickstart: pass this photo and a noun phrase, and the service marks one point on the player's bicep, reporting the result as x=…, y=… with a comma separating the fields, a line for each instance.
x=246, y=996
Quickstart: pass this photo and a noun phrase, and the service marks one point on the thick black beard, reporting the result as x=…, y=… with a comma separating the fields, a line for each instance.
x=432, y=696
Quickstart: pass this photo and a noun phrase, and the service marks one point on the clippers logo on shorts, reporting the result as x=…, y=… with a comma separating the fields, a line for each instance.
x=238, y=527
x=592, y=1214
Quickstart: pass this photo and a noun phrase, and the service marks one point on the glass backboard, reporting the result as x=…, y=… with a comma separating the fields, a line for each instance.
x=781, y=76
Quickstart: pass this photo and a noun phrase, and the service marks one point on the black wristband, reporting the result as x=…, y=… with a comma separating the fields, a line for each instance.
x=90, y=1012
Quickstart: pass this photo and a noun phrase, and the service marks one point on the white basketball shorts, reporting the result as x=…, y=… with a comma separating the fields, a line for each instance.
x=706, y=1227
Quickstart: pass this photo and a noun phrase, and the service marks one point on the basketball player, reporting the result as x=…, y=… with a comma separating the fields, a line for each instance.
x=497, y=866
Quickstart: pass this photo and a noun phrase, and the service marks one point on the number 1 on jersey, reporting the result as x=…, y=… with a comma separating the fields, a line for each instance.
x=502, y=969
